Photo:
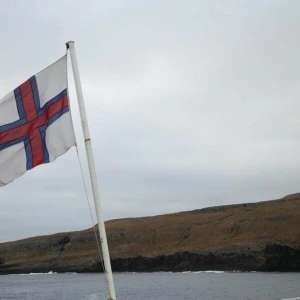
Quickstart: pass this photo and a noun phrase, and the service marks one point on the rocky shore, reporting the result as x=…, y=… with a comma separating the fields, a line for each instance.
x=262, y=236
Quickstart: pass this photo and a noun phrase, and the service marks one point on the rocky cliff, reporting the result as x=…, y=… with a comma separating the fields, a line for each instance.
x=256, y=236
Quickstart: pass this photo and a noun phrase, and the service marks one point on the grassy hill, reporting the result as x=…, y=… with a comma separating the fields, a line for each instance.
x=253, y=236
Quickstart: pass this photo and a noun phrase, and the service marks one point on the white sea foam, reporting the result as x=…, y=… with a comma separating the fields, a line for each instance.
x=209, y=271
x=49, y=273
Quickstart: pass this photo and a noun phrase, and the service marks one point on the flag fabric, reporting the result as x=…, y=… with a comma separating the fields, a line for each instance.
x=35, y=122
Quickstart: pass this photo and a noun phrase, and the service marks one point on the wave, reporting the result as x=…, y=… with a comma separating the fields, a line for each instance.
x=209, y=271
x=49, y=273
x=200, y=272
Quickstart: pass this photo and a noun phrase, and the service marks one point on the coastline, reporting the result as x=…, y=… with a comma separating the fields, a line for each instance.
x=262, y=236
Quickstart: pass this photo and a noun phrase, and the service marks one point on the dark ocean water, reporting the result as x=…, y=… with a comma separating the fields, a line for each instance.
x=146, y=286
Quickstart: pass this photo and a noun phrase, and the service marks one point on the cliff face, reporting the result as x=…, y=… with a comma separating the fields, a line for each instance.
x=255, y=236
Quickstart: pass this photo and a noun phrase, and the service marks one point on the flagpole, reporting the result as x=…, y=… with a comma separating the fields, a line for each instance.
x=92, y=170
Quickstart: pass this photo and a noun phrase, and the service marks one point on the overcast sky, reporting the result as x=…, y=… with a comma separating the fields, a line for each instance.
x=190, y=104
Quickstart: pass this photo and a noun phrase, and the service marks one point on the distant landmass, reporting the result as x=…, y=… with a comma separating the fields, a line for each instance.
x=263, y=236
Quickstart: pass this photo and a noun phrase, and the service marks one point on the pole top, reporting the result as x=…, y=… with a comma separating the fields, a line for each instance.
x=68, y=44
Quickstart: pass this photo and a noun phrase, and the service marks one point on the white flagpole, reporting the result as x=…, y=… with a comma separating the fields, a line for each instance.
x=92, y=170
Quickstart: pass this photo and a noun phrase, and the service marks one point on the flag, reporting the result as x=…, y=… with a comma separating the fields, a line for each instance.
x=35, y=122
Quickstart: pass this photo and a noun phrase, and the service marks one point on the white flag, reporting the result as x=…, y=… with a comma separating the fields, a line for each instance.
x=35, y=122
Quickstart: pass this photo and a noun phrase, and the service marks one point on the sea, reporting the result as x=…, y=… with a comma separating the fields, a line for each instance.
x=209, y=285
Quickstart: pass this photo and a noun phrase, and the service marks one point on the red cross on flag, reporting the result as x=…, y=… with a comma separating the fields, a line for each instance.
x=35, y=122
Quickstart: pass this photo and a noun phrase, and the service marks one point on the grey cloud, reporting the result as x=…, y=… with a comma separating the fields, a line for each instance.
x=189, y=105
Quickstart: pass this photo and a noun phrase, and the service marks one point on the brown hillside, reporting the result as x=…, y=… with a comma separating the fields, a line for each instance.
x=240, y=231
x=225, y=227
